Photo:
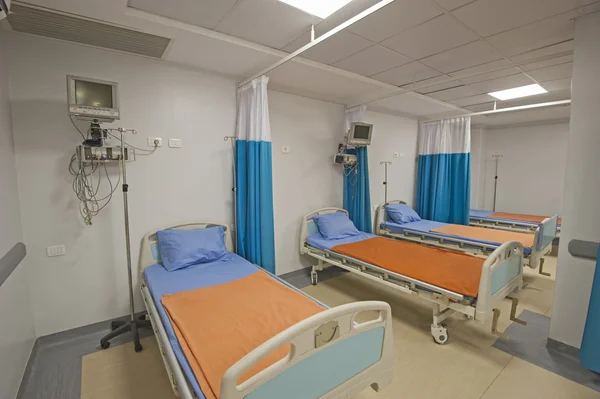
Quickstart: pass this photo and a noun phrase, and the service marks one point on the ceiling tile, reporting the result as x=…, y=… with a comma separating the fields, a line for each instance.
x=332, y=50
x=491, y=75
x=483, y=68
x=488, y=17
x=553, y=72
x=452, y=4
x=535, y=36
x=206, y=14
x=441, y=86
x=481, y=107
x=395, y=18
x=434, y=36
x=455, y=93
x=408, y=73
x=547, y=63
x=545, y=52
x=426, y=84
x=507, y=82
x=591, y=8
x=556, y=85
x=531, y=116
x=410, y=103
x=372, y=60
x=483, y=98
x=268, y=22
x=462, y=57
x=540, y=98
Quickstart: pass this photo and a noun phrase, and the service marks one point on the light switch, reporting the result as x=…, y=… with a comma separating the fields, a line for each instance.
x=286, y=150
x=175, y=143
x=57, y=250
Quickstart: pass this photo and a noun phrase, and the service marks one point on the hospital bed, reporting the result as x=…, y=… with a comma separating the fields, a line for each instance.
x=508, y=221
x=331, y=356
x=422, y=232
x=501, y=274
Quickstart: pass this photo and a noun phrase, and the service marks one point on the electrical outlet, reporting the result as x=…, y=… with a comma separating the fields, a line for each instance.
x=175, y=143
x=396, y=155
x=57, y=250
x=286, y=150
x=154, y=142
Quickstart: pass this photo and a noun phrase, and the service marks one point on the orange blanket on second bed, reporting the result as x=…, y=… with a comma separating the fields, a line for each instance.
x=453, y=271
x=218, y=325
x=521, y=217
x=481, y=233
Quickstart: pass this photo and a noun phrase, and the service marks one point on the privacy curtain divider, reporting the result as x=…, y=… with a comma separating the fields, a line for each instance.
x=254, y=172
x=357, y=191
x=444, y=170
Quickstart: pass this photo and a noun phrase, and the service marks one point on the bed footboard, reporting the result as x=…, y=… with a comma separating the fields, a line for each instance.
x=544, y=236
x=331, y=356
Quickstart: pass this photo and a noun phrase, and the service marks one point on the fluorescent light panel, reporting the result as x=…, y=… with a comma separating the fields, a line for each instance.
x=518, y=92
x=320, y=8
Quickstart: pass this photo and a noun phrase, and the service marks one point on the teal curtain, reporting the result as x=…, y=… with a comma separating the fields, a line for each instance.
x=357, y=191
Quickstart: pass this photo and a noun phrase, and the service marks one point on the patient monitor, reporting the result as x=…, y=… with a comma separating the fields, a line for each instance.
x=359, y=134
x=93, y=99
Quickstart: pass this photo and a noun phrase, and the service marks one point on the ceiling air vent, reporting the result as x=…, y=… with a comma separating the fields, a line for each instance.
x=76, y=29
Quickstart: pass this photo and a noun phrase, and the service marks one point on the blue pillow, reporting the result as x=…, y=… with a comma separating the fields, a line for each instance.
x=183, y=248
x=402, y=213
x=336, y=225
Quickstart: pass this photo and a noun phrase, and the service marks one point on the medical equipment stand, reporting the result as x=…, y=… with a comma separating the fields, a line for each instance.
x=120, y=327
x=234, y=190
x=496, y=179
x=385, y=182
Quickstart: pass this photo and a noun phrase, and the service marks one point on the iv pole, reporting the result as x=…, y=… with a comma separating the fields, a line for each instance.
x=497, y=156
x=120, y=327
x=234, y=190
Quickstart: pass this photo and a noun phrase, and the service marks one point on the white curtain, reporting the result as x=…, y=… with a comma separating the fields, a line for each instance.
x=448, y=136
x=253, y=111
x=354, y=114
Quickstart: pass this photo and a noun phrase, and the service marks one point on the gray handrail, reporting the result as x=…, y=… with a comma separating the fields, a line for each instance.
x=584, y=249
x=10, y=261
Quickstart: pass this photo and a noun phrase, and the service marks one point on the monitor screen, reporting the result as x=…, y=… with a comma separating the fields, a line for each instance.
x=91, y=94
x=362, y=132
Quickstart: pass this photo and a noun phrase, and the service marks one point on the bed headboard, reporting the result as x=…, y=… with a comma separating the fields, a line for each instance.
x=382, y=216
x=308, y=225
x=149, y=254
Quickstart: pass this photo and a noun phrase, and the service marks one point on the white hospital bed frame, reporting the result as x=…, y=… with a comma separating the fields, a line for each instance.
x=508, y=225
x=302, y=337
x=445, y=302
x=532, y=260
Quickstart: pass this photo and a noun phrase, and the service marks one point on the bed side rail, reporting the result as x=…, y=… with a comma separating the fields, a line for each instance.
x=331, y=356
x=381, y=214
x=308, y=226
x=502, y=274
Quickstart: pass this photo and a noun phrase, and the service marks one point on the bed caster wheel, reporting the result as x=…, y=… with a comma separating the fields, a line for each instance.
x=138, y=347
x=439, y=334
x=104, y=345
x=314, y=278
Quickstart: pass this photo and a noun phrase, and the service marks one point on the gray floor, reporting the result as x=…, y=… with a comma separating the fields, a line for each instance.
x=530, y=343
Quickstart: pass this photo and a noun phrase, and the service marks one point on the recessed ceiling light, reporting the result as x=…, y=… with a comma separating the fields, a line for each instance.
x=320, y=8
x=518, y=92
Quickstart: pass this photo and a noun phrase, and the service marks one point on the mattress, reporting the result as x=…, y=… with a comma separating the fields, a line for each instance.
x=426, y=226
x=480, y=214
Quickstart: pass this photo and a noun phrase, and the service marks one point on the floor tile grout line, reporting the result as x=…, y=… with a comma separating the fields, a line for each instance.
x=501, y=371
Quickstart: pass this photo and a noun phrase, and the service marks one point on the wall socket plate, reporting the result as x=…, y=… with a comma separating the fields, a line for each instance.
x=57, y=250
x=175, y=143
x=286, y=149
x=151, y=141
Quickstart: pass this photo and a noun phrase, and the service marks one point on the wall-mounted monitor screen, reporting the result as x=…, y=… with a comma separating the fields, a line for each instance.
x=93, y=98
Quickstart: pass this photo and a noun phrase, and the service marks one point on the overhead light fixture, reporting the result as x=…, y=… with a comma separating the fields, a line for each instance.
x=320, y=8
x=518, y=92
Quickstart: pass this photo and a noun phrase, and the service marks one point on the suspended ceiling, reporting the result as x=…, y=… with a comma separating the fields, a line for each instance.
x=452, y=52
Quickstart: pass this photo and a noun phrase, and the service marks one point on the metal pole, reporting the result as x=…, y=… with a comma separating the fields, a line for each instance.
x=385, y=183
x=125, y=186
x=234, y=191
x=498, y=156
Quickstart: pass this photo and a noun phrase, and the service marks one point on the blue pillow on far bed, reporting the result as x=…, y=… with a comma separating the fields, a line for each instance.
x=183, y=248
x=334, y=226
x=402, y=213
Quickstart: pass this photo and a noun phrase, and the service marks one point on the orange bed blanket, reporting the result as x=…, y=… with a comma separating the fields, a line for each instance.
x=481, y=233
x=218, y=325
x=453, y=271
x=521, y=217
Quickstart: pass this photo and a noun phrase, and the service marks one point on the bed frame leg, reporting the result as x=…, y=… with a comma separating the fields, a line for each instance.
x=542, y=272
x=513, y=311
x=495, y=325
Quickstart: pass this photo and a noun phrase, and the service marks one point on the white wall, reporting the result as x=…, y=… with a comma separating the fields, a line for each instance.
x=531, y=172
x=306, y=179
x=392, y=134
x=581, y=213
x=17, y=333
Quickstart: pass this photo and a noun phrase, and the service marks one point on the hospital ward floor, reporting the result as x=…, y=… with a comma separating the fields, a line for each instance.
x=468, y=366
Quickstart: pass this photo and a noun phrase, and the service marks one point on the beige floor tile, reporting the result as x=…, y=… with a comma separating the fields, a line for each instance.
x=119, y=372
x=524, y=380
